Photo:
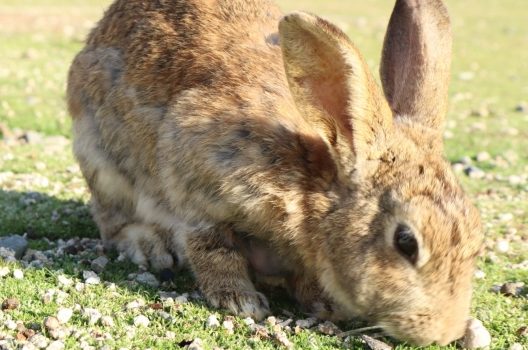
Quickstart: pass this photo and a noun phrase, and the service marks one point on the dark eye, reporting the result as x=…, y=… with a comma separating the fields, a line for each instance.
x=406, y=243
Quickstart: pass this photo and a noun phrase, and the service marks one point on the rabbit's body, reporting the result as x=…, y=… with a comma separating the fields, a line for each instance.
x=188, y=128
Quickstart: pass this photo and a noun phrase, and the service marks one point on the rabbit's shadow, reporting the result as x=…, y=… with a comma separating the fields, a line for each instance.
x=44, y=219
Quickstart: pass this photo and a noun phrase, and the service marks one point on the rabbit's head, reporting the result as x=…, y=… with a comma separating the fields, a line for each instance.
x=400, y=246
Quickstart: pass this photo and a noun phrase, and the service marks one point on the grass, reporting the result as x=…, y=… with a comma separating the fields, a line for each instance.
x=43, y=194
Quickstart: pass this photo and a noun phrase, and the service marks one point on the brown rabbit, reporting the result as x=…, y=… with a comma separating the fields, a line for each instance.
x=194, y=119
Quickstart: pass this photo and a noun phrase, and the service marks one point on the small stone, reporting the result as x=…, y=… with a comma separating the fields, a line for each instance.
x=182, y=299
x=516, y=346
x=502, y=246
x=55, y=345
x=197, y=344
x=466, y=76
x=107, y=321
x=479, y=274
x=4, y=271
x=18, y=274
x=374, y=344
x=249, y=321
x=505, y=217
x=10, y=304
x=136, y=304
x=17, y=244
x=10, y=324
x=99, y=264
x=141, y=321
x=515, y=180
x=328, y=328
x=64, y=315
x=477, y=336
x=170, y=335
x=271, y=321
x=306, y=323
x=40, y=341
x=458, y=167
x=474, y=173
x=523, y=331
x=282, y=339
x=148, y=279
x=79, y=286
x=229, y=326
x=512, y=289
x=51, y=323
x=93, y=315
x=59, y=333
x=522, y=107
x=212, y=322
x=483, y=157
x=28, y=346
x=91, y=277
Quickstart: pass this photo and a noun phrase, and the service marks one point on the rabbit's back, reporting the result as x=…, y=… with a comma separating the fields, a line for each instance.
x=147, y=61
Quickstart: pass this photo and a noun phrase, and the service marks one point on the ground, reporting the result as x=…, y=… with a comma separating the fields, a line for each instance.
x=43, y=195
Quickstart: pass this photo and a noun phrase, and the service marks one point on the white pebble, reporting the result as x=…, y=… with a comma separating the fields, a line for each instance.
x=182, y=299
x=249, y=321
x=136, y=304
x=18, y=274
x=477, y=336
x=197, y=344
x=4, y=271
x=306, y=323
x=483, y=157
x=141, y=321
x=79, y=286
x=93, y=315
x=107, y=321
x=148, y=279
x=228, y=326
x=479, y=274
x=64, y=315
x=505, y=217
x=56, y=345
x=91, y=277
x=212, y=322
x=64, y=281
x=39, y=341
x=10, y=324
x=502, y=245
x=516, y=346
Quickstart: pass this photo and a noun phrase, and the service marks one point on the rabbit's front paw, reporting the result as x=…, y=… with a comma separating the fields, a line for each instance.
x=243, y=303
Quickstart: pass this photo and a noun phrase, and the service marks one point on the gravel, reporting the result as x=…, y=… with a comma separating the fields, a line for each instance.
x=99, y=264
x=512, y=289
x=91, y=277
x=306, y=323
x=10, y=304
x=477, y=336
x=16, y=244
x=18, y=274
x=212, y=322
x=148, y=279
x=51, y=323
x=374, y=344
x=64, y=315
x=141, y=321
x=55, y=345
x=474, y=173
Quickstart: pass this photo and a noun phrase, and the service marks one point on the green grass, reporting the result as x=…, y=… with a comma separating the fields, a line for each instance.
x=38, y=41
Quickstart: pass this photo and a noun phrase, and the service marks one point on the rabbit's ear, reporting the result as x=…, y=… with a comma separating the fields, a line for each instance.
x=332, y=86
x=416, y=61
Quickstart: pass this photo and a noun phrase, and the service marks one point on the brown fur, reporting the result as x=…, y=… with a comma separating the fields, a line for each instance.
x=192, y=123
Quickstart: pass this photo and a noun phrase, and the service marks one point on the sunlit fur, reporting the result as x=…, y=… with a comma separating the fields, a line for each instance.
x=195, y=120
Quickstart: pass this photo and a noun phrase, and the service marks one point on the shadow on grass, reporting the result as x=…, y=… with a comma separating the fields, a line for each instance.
x=43, y=216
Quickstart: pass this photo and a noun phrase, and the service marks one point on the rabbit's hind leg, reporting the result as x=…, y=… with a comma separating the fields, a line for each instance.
x=222, y=273
x=145, y=244
x=114, y=202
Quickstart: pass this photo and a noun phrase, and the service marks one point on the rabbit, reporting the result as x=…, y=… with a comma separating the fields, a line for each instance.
x=196, y=120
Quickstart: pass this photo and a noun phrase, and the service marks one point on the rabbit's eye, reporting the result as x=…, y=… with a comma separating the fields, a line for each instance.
x=406, y=243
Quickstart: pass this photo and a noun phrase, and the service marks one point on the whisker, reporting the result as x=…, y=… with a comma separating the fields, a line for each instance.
x=358, y=331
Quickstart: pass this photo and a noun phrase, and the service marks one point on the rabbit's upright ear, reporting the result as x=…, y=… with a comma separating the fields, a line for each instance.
x=333, y=88
x=416, y=61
